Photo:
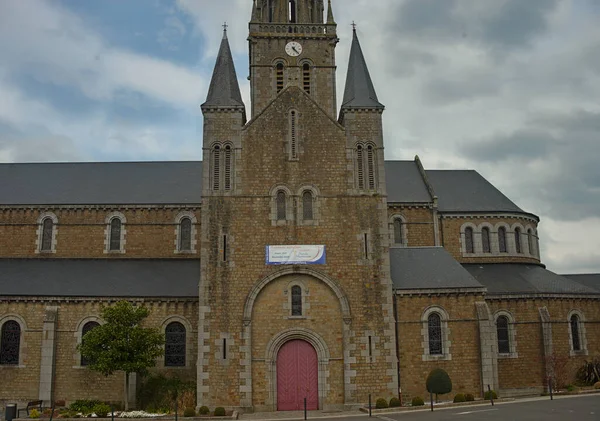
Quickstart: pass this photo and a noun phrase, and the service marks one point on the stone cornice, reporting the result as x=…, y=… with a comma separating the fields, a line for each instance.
x=489, y=214
x=194, y=206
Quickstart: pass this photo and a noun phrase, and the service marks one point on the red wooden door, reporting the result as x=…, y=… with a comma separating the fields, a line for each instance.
x=297, y=377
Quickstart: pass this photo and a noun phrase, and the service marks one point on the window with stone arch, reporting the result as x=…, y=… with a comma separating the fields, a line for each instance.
x=469, y=243
x=175, y=345
x=307, y=206
x=10, y=343
x=292, y=11
x=85, y=329
x=485, y=240
x=185, y=234
x=506, y=335
x=435, y=332
x=502, y=240
x=366, y=166
x=398, y=230
x=297, y=300
x=281, y=200
x=577, y=336
x=46, y=233
x=221, y=161
x=518, y=246
x=116, y=226
x=114, y=233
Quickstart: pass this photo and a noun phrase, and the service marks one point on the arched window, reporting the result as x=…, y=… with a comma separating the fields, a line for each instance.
x=228, y=181
x=575, y=332
x=296, y=300
x=86, y=328
x=271, y=7
x=47, y=234
x=502, y=240
x=371, y=166
x=518, y=247
x=307, y=206
x=10, y=343
x=115, y=234
x=175, y=344
x=185, y=234
x=530, y=242
x=281, y=206
x=503, y=335
x=485, y=240
x=360, y=169
x=306, y=77
x=292, y=11
x=293, y=135
x=434, y=327
x=279, y=76
x=398, y=231
x=216, y=170
x=469, y=247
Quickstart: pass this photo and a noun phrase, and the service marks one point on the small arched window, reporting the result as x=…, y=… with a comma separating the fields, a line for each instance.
x=530, y=242
x=360, y=167
x=281, y=206
x=86, y=328
x=371, y=166
x=296, y=300
x=175, y=345
x=185, y=234
x=47, y=234
x=502, y=240
x=292, y=11
x=485, y=240
x=279, y=70
x=307, y=206
x=306, y=77
x=10, y=343
x=216, y=170
x=398, y=231
x=518, y=247
x=115, y=234
x=227, y=164
x=434, y=327
x=503, y=335
x=469, y=247
x=575, y=332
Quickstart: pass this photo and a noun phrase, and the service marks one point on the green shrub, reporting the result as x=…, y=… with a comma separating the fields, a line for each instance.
x=597, y=385
x=157, y=392
x=381, y=403
x=85, y=406
x=469, y=397
x=439, y=382
x=487, y=394
x=589, y=372
x=571, y=388
x=417, y=401
x=204, y=410
x=101, y=410
x=189, y=412
x=395, y=402
x=219, y=411
x=34, y=413
x=459, y=397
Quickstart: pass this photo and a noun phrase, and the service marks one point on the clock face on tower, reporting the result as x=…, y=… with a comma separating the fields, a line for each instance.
x=293, y=49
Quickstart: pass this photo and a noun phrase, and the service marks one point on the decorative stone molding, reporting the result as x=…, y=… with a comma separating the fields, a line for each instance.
x=512, y=334
x=494, y=238
x=582, y=334
x=107, y=233
x=392, y=230
x=315, y=204
x=446, y=343
x=194, y=233
x=189, y=340
x=289, y=206
x=39, y=234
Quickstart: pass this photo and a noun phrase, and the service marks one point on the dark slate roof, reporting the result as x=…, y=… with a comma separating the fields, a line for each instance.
x=119, y=183
x=224, y=90
x=360, y=92
x=590, y=280
x=405, y=183
x=99, y=278
x=507, y=278
x=467, y=190
x=428, y=268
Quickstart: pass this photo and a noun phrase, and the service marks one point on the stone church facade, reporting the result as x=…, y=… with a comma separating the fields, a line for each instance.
x=421, y=268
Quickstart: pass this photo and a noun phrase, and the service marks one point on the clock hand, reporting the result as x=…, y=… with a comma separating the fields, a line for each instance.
x=296, y=51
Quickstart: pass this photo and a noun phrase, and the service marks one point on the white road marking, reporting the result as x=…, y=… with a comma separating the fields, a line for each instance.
x=474, y=412
x=381, y=417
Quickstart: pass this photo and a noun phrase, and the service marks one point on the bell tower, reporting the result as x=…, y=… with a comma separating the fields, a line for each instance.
x=292, y=44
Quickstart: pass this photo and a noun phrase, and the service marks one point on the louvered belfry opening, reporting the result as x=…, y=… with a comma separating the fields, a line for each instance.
x=279, y=75
x=306, y=77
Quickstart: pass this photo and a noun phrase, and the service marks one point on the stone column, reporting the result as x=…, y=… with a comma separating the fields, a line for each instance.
x=47, y=364
x=488, y=346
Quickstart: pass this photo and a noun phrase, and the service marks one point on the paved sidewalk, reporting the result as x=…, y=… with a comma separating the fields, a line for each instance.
x=299, y=415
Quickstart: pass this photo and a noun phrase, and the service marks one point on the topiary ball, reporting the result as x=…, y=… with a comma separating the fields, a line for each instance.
x=189, y=412
x=469, y=397
x=204, y=410
x=439, y=382
x=491, y=393
x=597, y=385
x=219, y=411
x=395, y=402
x=381, y=403
x=417, y=401
x=459, y=397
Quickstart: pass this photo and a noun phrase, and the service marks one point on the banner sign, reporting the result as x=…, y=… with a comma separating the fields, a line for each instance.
x=295, y=255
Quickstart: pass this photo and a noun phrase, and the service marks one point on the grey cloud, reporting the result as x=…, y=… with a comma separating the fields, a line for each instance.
x=523, y=144
x=447, y=90
x=40, y=148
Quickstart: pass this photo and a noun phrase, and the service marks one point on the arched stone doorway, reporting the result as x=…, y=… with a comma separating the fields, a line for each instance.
x=297, y=376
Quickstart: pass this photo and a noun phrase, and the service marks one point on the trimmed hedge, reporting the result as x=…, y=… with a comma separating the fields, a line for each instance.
x=395, y=402
x=486, y=396
x=219, y=411
x=469, y=397
x=204, y=410
x=189, y=412
x=417, y=401
x=459, y=397
x=381, y=403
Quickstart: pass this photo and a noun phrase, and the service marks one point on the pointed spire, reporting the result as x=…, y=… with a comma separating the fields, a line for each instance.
x=254, y=12
x=330, y=19
x=360, y=92
x=224, y=89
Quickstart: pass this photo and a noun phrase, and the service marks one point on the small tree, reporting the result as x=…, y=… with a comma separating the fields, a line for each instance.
x=439, y=382
x=121, y=344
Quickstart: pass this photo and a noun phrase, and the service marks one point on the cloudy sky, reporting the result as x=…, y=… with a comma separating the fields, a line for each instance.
x=510, y=88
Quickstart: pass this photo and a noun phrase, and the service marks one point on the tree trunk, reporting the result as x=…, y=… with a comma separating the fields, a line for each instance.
x=126, y=391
